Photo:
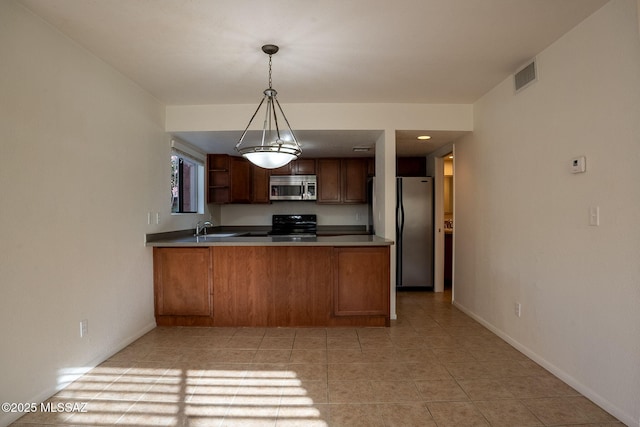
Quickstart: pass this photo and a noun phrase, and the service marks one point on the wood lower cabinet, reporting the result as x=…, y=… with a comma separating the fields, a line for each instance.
x=357, y=288
x=182, y=284
x=272, y=286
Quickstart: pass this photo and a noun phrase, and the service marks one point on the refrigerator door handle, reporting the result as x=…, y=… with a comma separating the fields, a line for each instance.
x=401, y=217
x=399, y=212
x=399, y=231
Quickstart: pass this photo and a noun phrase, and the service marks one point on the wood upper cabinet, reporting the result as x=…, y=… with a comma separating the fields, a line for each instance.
x=235, y=180
x=282, y=170
x=259, y=184
x=240, y=180
x=228, y=179
x=361, y=281
x=342, y=180
x=411, y=166
x=354, y=180
x=329, y=175
x=218, y=178
x=182, y=281
x=304, y=167
x=297, y=167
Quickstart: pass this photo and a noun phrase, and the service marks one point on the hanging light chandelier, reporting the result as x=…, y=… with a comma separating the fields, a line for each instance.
x=276, y=146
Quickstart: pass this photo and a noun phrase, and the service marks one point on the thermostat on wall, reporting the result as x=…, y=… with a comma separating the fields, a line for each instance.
x=578, y=164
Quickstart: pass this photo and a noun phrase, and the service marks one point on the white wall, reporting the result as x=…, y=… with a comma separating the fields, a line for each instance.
x=83, y=151
x=183, y=118
x=522, y=232
x=261, y=214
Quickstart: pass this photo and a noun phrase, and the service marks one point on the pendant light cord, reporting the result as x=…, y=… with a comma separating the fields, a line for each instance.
x=270, y=72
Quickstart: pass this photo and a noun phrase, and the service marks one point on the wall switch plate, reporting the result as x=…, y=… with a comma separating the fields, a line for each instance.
x=84, y=328
x=518, y=309
x=579, y=164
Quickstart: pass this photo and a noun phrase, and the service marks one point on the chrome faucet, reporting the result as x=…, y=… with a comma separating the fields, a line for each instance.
x=202, y=226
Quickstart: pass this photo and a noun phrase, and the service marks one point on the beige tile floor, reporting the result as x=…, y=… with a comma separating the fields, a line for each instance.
x=433, y=367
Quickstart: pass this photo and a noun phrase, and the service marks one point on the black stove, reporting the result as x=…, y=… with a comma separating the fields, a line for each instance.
x=294, y=225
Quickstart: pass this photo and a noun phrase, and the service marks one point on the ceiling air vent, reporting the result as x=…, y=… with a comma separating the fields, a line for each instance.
x=525, y=76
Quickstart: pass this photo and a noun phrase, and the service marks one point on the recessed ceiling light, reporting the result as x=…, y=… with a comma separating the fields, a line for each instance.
x=451, y=157
x=424, y=137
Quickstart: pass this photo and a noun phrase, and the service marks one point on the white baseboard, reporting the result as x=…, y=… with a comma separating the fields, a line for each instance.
x=573, y=382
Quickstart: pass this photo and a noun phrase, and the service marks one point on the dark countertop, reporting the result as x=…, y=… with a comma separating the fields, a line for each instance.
x=350, y=240
x=257, y=236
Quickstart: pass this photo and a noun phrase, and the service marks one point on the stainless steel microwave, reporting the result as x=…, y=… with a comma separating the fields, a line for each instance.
x=292, y=187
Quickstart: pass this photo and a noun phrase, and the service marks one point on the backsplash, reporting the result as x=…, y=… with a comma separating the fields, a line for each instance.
x=261, y=214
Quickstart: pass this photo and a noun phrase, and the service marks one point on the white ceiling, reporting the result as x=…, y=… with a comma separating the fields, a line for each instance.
x=196, y=52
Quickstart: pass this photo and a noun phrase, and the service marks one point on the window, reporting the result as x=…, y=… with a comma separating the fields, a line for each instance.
x=187, y=183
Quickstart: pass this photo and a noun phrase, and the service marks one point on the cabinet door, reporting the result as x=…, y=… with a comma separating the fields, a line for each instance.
x=283, y=170
x=259, y=185
x=182, y=281
x=304, y=167
x=329, y=182
x=361, y=281
x=272, y=286
x=354, y=180
x=411, y=166
x=240, y=170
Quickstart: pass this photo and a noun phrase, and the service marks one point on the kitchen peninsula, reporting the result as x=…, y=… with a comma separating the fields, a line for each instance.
x=271, y=281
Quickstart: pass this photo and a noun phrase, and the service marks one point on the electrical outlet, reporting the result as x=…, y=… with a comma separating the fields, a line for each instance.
x=594, y=215
x=518, y=309
x=84, y=328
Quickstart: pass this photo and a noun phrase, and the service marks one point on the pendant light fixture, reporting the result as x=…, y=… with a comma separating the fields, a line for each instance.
x=276, y=147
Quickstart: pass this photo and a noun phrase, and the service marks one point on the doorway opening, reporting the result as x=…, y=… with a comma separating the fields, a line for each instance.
x=444, y=224
x=447, y=204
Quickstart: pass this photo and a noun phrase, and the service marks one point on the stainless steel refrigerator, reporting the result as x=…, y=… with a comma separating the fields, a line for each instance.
x=414, y=233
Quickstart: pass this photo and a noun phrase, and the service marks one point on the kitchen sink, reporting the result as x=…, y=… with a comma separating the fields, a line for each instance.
x=214, y=235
